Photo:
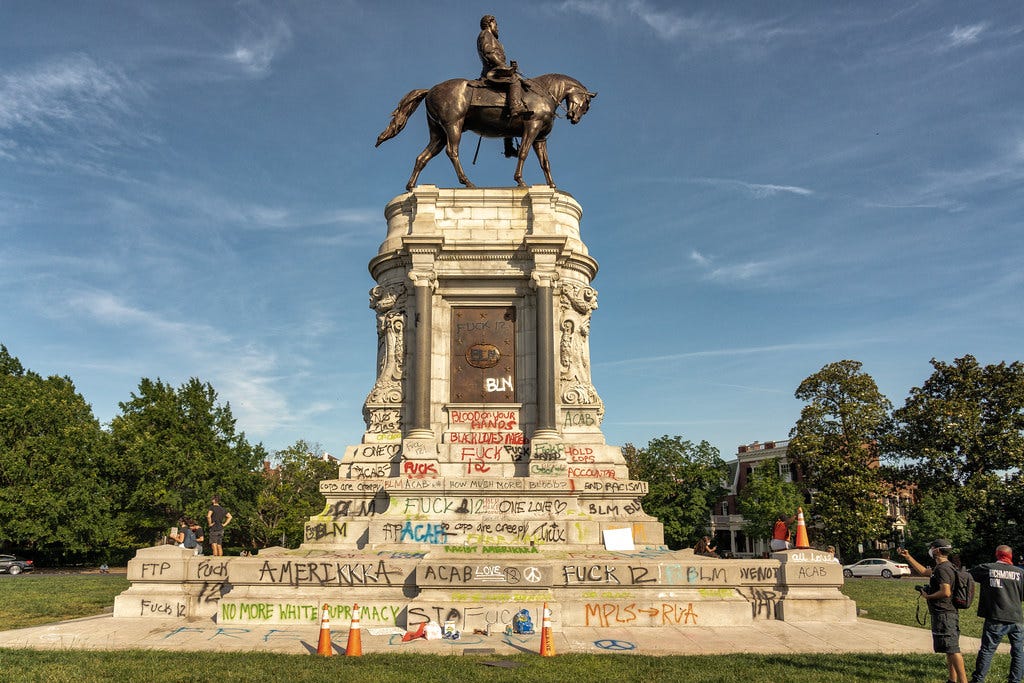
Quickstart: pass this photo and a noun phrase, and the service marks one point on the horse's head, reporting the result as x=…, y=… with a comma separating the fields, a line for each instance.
x=577, y=103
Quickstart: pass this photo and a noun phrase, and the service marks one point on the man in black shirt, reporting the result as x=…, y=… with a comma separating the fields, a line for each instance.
x=217, y=518
x=1002, y=592
x=939, y=594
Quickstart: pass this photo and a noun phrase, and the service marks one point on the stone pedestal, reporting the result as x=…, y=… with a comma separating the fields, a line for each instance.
x=482, y=483
x=483, y=429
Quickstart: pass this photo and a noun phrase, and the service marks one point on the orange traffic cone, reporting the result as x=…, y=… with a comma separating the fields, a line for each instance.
x=354, y=648
x=547, y=641
x=801, y=530
x=323, y=646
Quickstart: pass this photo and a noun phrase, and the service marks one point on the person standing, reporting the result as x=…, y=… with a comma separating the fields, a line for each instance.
x=216, y=519
x=1002, y=591
x=939, y=594
x=781, y=533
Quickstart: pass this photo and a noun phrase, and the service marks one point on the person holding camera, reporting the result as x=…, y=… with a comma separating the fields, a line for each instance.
x=939, y=593
x=1002, y=592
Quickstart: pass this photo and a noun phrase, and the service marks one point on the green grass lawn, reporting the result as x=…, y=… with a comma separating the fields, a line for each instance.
x=34, y=599
x=895, y=601
x=75, y=666
x=43, y=598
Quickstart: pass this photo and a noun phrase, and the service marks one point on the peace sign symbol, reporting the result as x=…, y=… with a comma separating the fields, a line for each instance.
x=532, y=574
x=620, y=645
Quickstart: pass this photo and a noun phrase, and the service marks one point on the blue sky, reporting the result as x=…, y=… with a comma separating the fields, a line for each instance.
x=191, y=189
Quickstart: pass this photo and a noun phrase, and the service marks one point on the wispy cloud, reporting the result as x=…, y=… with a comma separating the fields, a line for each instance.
x=185, y=201
x=246, y=375
x=966, y=35
x=70, y=113
x=734, y=352
x=694, y=30
x=109, y=309
x=260, y=44
x=755, y=190
x=71, y=91
x=772, y=271
x=951, y=189
x=700, y=259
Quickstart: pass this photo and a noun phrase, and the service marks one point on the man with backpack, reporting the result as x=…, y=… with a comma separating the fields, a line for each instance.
x=1002, y=592
x=939, y=594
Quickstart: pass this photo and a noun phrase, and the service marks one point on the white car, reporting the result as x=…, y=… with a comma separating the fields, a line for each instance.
x=876, y=566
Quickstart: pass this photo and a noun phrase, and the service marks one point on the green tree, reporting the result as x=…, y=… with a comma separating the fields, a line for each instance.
x=290, y=494
x=685, y=480
x=54, y=462
x=764, y=497
x=935, y=515
x=177, y=448
x=962, y=432
x=836, y=446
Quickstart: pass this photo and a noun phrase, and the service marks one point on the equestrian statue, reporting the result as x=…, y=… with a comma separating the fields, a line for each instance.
x=501, y=104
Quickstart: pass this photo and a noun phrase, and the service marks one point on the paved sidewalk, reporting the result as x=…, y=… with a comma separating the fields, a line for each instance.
x=767, y=637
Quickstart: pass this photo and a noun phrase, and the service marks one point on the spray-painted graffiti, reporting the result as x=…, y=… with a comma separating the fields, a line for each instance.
x=465, y=618
x=504, y=420
x=310, y=573
x=154, y=570
x=489, y=438
x=412, y=468
x=320, y=530
x=759, y=574
x=369, y=471
x=159, y=608
x=762, y=602
x=665, y=614
x=435, y=534
x=268, y=635
x=306, y=613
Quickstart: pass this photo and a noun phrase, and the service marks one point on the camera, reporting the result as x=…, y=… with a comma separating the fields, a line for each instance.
x=921, y=588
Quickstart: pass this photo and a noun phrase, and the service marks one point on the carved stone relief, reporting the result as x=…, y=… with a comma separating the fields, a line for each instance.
x=576, y=303
x=390, y=302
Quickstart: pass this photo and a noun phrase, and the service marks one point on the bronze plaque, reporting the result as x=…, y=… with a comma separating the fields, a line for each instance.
x=483, y=354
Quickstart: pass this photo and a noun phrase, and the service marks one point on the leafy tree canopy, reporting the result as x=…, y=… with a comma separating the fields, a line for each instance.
x=176, y=449
x=684, y=479
x=836, y=445
x=54, y=467
x=764, y=497
x=962, y=433
x=290, y=494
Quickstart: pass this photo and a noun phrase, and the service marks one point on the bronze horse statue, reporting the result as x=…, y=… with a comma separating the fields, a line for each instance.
x=452, y=107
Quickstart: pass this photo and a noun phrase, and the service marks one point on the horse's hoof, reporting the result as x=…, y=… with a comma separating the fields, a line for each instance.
x=408, y=188
x=520, y=183
x=469, y=185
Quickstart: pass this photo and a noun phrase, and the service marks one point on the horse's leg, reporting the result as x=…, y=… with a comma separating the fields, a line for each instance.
x=540, y=148
x=432, y=149
x=530, y=131
x=453, y=131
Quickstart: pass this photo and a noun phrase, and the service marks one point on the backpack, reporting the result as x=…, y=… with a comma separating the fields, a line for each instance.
x=963, y=589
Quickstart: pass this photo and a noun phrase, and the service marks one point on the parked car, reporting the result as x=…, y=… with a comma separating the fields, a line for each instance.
x=12, y=564
x=876, y=566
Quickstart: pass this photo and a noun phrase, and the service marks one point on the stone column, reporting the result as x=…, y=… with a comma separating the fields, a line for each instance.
x=423, y=250
x=423, y=287
x=546, y=428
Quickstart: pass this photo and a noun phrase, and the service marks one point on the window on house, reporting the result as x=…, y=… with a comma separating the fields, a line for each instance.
x=725, y=507
x=784, y=472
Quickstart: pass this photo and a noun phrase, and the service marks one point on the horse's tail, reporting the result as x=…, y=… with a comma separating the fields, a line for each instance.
x=400, y=116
